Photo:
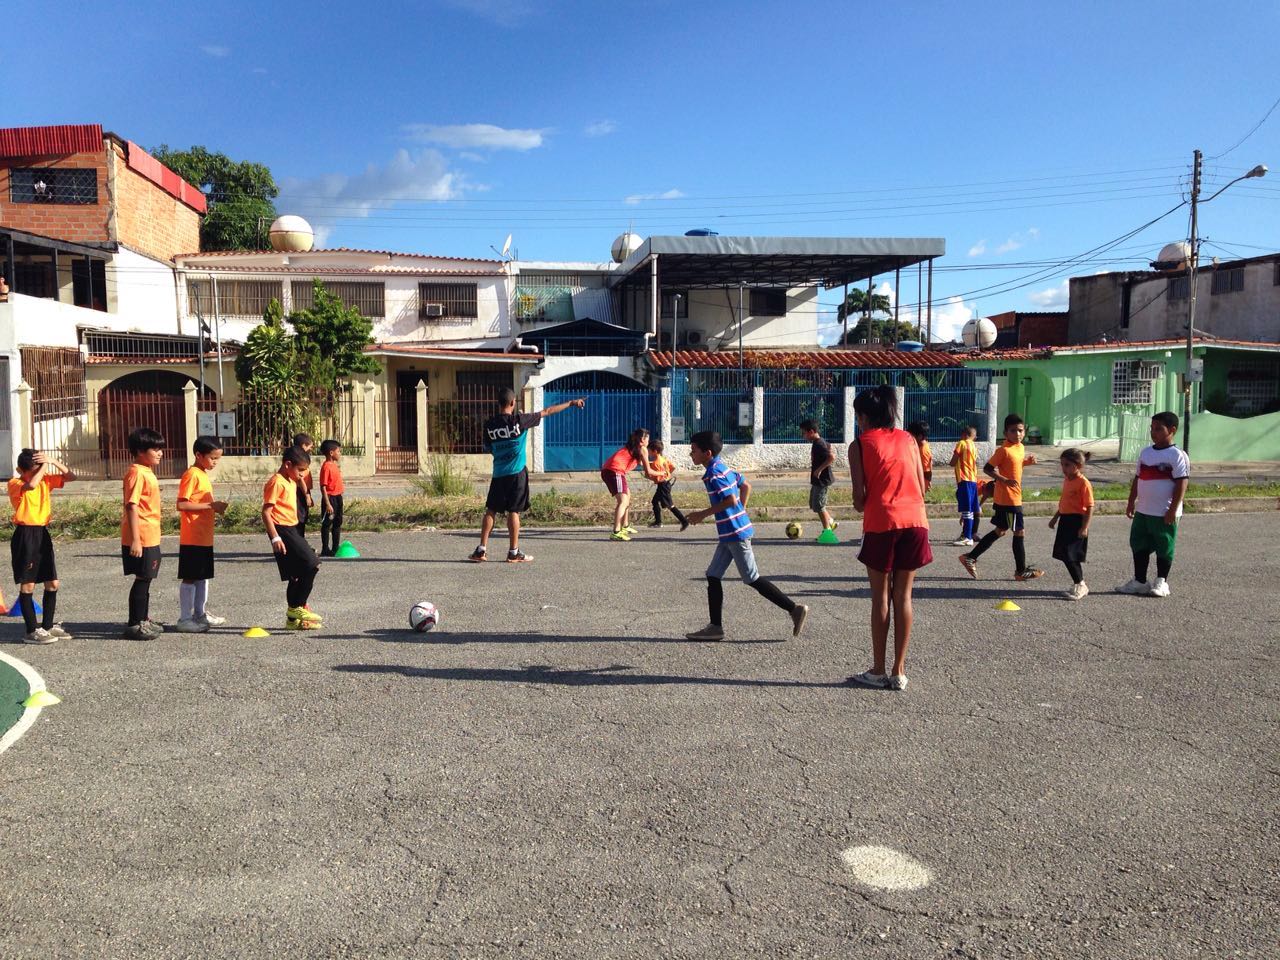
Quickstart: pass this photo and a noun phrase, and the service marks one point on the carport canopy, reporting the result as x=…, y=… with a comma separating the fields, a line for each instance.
x=716, y=262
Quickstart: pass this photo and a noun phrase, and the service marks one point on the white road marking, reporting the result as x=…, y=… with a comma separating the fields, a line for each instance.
x=35, y=683
x=885, y=868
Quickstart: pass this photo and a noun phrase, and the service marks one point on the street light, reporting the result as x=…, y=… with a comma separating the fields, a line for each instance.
x=1193, y=265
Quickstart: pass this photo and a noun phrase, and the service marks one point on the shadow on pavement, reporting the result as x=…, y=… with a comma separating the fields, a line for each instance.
x=444, y=637
x=600, y=676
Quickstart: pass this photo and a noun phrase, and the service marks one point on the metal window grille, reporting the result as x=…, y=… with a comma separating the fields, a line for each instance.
x=768, y=302
x=369, y=298
x=1179, y=288
x=1253, y=385
x=53, y=185
x=456, y=299
x=236, y=298
x=483, y=381
x=1228, y=281
x=56, y=375
x=1131, y=381
x=135, y=346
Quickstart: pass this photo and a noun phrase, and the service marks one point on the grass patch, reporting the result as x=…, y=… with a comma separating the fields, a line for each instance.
x=444, y=478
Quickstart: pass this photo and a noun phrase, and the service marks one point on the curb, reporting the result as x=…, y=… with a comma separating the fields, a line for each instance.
x=35, y=683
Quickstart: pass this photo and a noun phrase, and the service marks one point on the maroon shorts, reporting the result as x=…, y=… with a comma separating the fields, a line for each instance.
x=906, y=549
x=615, y=481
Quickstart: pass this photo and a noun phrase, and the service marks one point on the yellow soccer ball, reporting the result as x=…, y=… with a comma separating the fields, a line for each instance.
x=794, y=530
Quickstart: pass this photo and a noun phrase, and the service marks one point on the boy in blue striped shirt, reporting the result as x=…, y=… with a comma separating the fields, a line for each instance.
x=729, y=492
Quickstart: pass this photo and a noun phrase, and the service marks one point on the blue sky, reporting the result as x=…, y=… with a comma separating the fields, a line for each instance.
x=1020, y=138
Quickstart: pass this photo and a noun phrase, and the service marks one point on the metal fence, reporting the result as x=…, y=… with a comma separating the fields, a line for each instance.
x=784, y=411
x=1135, y=434
x=457, y=425
x=584, y=439
x=947, y=412
x=92, y=439
x=264, y=423
x=396, y=434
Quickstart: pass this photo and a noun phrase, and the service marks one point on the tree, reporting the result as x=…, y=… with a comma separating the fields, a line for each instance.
x=883, y=329
x=239, y=194
x=855, y=305
x=330, y=339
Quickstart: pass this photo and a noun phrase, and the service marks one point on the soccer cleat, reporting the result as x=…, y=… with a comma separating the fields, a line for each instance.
x=710, y=632
x=302, y=625
x=877, y=681
x=1160, y=588
x=1030, y=573
x=970, y=564
x=1078, y=591
x=40, y=636
x=135, y=631
x=1135, y=588
x=657, y=524
x=620, y=536
x=630, y=530
x=684, y=525
x=835, y=524
x=798, y=616
x=479, y=555
x=302, y=615
x=191, y=626
x=897, y=681
x=58, y=633
x=152, y=627
x=518, y=557
x=962, y=542
x=211, y=619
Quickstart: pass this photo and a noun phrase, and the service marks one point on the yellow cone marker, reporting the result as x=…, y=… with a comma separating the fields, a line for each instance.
x=256, y=633
x=1008, y=606
x=41, y=698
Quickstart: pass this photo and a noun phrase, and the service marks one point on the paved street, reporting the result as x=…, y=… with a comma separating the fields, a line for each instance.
x=557, y=773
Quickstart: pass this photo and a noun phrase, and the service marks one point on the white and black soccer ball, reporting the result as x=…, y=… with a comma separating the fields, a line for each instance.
x=424, y=616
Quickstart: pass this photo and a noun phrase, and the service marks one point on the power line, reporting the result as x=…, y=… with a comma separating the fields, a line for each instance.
x=1254, y=129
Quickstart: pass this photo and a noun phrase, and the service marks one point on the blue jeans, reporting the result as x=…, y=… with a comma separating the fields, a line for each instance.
x=737, y=552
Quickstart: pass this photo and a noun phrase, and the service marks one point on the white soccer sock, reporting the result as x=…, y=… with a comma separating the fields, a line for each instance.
x=186, y=598
x=201, y=596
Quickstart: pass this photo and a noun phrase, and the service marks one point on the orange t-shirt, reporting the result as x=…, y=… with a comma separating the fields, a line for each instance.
x=281, y=495
x=142, y=488
x=895, y=500
x=31, y=508
x=195, y=527
x=621, y=462
x=1008, y=460
x=926, y=456
x=331, y=478
x=664, y=468
x=1077, y=495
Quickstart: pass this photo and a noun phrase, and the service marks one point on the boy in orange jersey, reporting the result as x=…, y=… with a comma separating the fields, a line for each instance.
x=331, y=490
x=32, y=547
x=196, y=512
x=920, y=430
x=296, y=561
x=304, y=443
x=1005, y=468
x=665, y=472
x=964, y=461
x=140, y=531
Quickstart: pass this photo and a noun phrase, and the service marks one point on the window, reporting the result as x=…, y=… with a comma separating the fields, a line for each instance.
x=768, y=302
x=368, y=298
x=89, y=283
x=454, y=299
x=236, y=298
x=669, y=302
x=53, y=185
x=56, y=375
x=1131, y=380
x=481, y=384
x=1179, y=288
x=1228, y=281
x=1253, y=385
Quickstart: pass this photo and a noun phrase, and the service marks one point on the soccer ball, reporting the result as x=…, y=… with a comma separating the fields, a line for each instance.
x=794, y=530
x=424, y=616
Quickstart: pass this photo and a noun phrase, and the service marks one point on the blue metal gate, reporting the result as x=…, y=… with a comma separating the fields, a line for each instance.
x=584, y=439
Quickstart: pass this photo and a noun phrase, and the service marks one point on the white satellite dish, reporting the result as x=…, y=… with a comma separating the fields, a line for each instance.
x=506, y=246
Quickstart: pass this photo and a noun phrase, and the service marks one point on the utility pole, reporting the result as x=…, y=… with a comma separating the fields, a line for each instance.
x=1192, y=266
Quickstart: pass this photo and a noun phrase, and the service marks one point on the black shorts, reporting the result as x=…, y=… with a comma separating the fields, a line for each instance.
x=509, y=494
x=304, y=512
x=662, y=495
x=145, y=567
x=1008, y=518
x=195, y=562
x=1068, y=545
x=298, y=558
x=32, y=552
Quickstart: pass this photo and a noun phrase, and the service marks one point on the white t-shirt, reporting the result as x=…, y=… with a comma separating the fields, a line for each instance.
x=1157, y=470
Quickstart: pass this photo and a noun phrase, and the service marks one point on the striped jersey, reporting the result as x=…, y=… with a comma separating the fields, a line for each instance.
x=732, y=523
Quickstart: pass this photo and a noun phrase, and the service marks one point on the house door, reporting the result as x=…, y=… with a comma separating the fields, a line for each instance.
x=406, y=412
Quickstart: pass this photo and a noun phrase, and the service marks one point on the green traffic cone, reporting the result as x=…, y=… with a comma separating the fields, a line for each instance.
x=346, y=551
x=828, y=536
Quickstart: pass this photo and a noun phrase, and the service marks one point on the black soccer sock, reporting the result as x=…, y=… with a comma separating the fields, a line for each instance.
x=50, y=603
x=657, y=511
x=1163, y=567
x=300, y=588
x=325, y=525
x=1019, y=554
x=715, y=599
x=675, y=512
x=27, y=604
x=984, y=544
x=771, y=593
x=139, y=602
x=1075, y=569
x=1141, y=561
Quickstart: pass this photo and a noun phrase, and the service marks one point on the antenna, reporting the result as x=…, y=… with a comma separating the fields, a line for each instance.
x=507, y=245
x=506, y=249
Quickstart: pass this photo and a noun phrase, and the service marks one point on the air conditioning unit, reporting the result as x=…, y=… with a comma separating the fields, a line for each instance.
x=430, y=310
x=695, y=338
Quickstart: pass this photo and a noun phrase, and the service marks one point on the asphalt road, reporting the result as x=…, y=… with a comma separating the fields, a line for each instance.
x=557, y=773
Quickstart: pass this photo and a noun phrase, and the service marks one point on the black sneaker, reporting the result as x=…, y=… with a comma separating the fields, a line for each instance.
x=135, y=632
x=479, y=555
x=684, y=525
x=519, y=556
x=1031, y=573
x=656, y=523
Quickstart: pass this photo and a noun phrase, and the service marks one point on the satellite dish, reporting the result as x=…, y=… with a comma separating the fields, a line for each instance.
x=506, y=246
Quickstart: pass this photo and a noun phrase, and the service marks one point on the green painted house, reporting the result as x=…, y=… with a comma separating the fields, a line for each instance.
x=1080, y=393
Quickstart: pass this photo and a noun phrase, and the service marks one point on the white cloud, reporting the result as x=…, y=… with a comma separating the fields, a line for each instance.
x=1019, y=240
x=475, y=136
x=505, y=13
x=948, y=317
x=601, y=128
x=1009, y=245
x=672, y=194
x=421, y=176
x=214, y=50
x=978, y=249
x=1054, y=298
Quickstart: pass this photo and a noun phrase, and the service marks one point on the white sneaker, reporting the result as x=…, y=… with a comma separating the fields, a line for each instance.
x=211, y=619
x=1078, y=591
x=41, y=636
x=961, y=542
x=1160, y=588
x=896, y=681
x=1136, y=588
x=191, y=626
x=869, y=679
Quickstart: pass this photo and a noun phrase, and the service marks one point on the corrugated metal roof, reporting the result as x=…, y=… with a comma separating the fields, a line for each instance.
x=199, y=269
x=806, y=359
x=303, y=253
x=426, y=350
x=43, y=141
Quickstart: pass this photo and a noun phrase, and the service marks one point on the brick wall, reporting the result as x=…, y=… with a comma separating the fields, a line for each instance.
x=150, y=220
x=62, y=221
x=1042, y=331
